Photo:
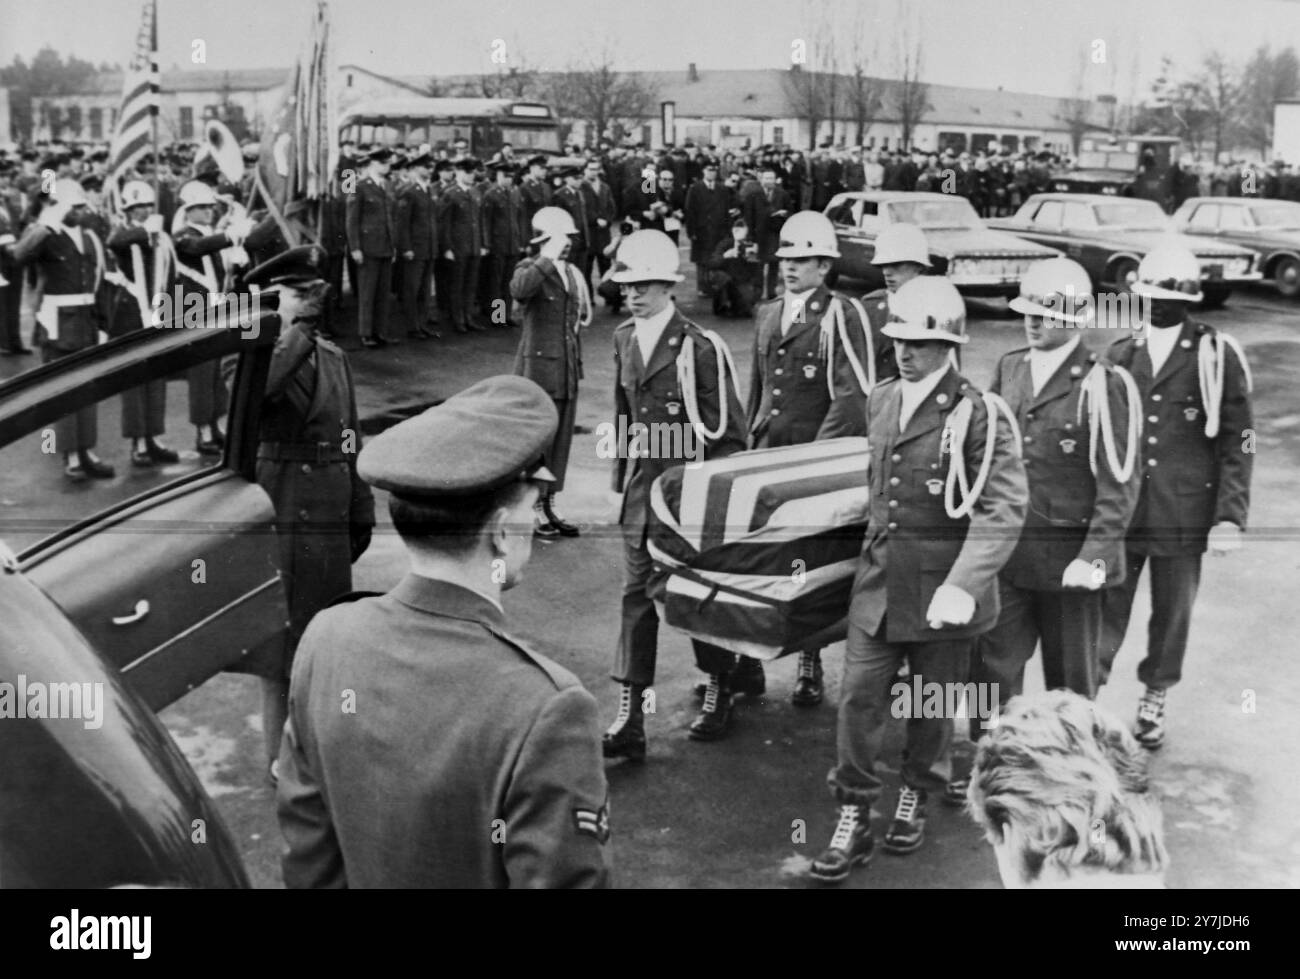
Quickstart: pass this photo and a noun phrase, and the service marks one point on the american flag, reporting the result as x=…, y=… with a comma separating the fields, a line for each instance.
x=133, y=136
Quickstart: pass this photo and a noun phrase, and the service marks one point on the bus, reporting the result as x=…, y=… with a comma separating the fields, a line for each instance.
x=529, y=127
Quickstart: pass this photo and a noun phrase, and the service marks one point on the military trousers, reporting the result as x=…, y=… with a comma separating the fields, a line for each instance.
x=11, y=301
x=144, y=410
x=80, y=430
x=208, y=398
x=462, y=282
x=497, y=291
x=1174, y=583
x=415, y=292
x=867, y=705
x=638, y=640
x=374, y=296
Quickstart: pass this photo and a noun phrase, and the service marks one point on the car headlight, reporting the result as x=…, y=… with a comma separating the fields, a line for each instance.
x=1109, y=190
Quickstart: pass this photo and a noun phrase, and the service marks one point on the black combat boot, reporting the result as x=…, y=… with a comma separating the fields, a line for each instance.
x=808, y=691
x=715, y=712
x=851, y=845
x=907, y=832
x=625, y=738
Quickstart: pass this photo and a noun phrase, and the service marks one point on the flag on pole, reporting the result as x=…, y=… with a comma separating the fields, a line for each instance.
x=298, y=156
x=133, y=135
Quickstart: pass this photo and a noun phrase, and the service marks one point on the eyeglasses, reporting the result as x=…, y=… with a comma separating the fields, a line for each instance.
x=635, y=288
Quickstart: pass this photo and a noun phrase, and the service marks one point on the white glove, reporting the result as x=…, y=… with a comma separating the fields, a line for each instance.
x=1225, y=537
x=1081, y=574
x=553, y=247
x=153, y=224
x=950, y=606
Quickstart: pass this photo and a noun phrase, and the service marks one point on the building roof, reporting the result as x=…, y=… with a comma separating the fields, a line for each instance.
x=194, y=80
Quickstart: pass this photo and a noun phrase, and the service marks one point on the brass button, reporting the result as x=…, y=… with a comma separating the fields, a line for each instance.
x=896, y=458
x=306, y=467
x=1152, y=440
x=1156, y=397
x=303, y=515
x=1151, y=463
x=1029, y=417
x=893, y=526
x=894, y=480
x=893, y=503
x=781, y=352
x=777, y=371
x=1153, y=419
x=776, y=411
x=776, y=392
x=1027, y=439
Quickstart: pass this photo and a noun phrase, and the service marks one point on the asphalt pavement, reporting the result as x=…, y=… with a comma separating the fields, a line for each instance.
x=753, y=810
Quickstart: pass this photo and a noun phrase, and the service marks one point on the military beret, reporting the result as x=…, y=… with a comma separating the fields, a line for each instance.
x=493, y=433
x=297, y=266
x=537, y=161
x=380, y=155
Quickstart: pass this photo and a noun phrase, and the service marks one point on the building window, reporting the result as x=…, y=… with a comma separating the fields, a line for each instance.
x=74, y=120
x=646, y=136
x=96, y=116
x=187, y=122
x=350, y=76
x=884, y=144
x=778, y=135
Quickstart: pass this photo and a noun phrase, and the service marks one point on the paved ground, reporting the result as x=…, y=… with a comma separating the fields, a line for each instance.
x=729, y=814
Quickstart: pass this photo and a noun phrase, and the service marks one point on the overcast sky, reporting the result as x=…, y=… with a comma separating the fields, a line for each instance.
x=1024, y=45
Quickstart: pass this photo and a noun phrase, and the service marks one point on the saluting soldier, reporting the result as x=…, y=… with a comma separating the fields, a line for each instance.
x=556, y=307
x=146, y=267
x=506, y=235
x=417, y=244
x=201, y=268
x=1078, y=423
x=371, y=240
x=307, y=460
x=943, y=521
x=901, y=254
x=653, y=352
x=1196, y=466
x=70, y=264
x=470, y=760
x=811, y=373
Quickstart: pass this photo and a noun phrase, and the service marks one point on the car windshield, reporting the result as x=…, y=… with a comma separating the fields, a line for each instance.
x=1277, y=216
x=1100, y=160
x=934, y=214
x=1137, y=215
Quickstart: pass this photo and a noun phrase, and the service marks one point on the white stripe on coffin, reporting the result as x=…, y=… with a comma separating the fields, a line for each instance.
x=709, y=479
x=697, y=481
x=745, y=491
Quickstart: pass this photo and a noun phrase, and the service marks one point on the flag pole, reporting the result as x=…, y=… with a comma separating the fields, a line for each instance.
x=155, y=83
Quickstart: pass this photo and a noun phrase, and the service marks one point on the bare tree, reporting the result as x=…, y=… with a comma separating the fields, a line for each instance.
x=1075, y=112
x=1266, y=78
x=515, y=79
x=864, y=93
x=603, y=98
x=911, y=96
x=1218, y=91
x=812, y=84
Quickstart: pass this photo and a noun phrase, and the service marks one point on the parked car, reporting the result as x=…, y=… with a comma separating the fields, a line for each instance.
x=1270, y=228
x=980, y=262
x=143, y=597
x=1136, y=166
x=1108, y=236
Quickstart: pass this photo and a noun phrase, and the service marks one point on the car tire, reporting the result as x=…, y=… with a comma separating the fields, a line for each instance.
x=1213, y=297
x=1286, y=277
x=1119, y=274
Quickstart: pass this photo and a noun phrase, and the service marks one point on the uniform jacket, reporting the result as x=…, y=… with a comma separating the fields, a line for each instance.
x=1189, y=482
x=470, y=760
x=460, y=223
x=788, y=399
x=369, y=219
x=307, y=462
x=504, y=221
x=417, y=226
x=550, y=351
x=124, y=312
x=758, y=213
x=334, y=223
x=199, y=265
x=536, y=194
x=877, y=306
x=912, y=546
x=708, y=217
x=8, y=238
x=1072, y=514
x=66, y=270
x=650, y=394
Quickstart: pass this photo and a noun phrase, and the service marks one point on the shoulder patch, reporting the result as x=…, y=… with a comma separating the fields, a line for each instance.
x=593, y=823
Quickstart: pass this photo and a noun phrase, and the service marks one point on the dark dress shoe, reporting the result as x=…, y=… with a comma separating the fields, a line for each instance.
x=565, y=528
x=160, y=453
x=370, y=343
x=208, y=447
x=142, y=460
x=430, y=334
x=547, y=531
x=96, y=468
x=627, y=742
x=74, y=472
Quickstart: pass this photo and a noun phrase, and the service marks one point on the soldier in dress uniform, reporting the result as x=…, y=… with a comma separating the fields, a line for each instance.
x=556, y=305
x=444, y=177
x=460, y=227
x=201, y=269
x=470, y=760
x=1196, y=466
x=417, y=244
x=535, y=188
x=506, y=235
x=812, y=369
x=926, y=584
x=307, y=460
x=70, y=262
x=371, y=239
x=901, y=255
x=1074, y=414
x=146, y=266
x=654, y=352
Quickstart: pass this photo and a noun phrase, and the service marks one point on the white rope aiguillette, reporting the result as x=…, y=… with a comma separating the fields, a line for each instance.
x=1095, y=400
x=1210, y=358
x=954, y=436
x=686, y=378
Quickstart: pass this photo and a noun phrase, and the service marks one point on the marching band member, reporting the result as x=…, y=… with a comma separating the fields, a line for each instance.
x=1196, y=468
